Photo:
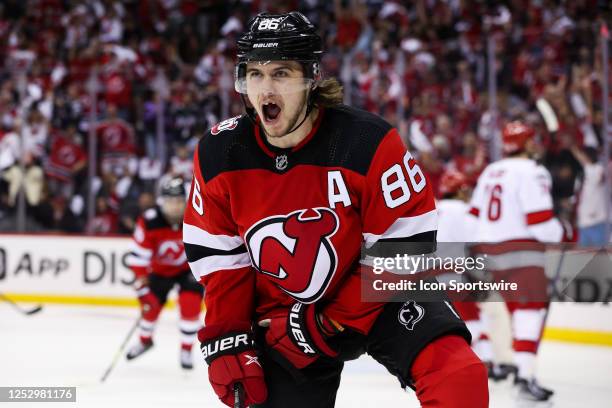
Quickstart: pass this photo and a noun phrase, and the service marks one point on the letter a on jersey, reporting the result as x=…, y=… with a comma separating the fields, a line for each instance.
x=295, y=251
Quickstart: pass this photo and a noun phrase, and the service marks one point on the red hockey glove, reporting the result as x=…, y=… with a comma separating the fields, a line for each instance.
x=299, y=334
x=231, y=359
x=148, y=301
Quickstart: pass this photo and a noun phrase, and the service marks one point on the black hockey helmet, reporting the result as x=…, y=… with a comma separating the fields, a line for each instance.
x=173, y=187
x=279, y=37
x=172, y=198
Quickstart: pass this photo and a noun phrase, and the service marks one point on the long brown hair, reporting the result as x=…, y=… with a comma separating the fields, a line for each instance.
x=328, y=93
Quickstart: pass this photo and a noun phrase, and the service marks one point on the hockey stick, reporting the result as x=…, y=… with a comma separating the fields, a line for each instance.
x=120, y=350
x=553, y=281
x=20, y=309
x=238, y=396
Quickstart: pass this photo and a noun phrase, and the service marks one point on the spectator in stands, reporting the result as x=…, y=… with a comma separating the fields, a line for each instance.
x=9, y=161
x=422, y=65
x=54, y=214
x=472, y=158
x=591, y=211
x=26, y=169
x=149, y=172
x=181, y=163
x=117, y=85
x=350, y=15
x=105, y=221
x=184, y=118
x=65, y=163
x=116, y=141
x=131, y=212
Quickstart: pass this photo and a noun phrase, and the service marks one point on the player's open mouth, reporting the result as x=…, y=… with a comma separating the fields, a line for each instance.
x=271, y=112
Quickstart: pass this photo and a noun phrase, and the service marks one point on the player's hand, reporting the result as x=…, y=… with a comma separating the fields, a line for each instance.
x=569, y=233
x=148, y=301
x=232, y=359
x=300, y=334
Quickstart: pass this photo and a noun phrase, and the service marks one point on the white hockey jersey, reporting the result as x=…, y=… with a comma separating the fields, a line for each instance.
x=455, y=224
x=512, y=201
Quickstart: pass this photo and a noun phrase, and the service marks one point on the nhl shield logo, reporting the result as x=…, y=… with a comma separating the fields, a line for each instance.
x=410, y=314
x=282, y=162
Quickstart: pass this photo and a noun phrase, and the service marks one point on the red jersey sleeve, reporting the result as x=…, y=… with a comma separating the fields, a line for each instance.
x=141, y=250
x=398, y=201
x=217, y=255
x=397, y=205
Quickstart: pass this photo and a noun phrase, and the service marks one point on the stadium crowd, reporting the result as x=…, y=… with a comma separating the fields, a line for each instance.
x=146, y=78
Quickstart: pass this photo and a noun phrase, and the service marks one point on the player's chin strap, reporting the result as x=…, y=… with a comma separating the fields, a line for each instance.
x=252, y=114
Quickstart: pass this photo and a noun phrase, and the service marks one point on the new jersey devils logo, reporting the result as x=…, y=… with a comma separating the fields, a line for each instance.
x=112, y=136
x=410, y=314
x=171, y=252
x=66, y=155
x=295, y=251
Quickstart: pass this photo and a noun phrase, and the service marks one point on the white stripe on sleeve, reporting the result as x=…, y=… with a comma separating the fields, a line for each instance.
x=210, y=264
x=134, y=260
x=140, y=251
x=197, y=236
x=406, y=227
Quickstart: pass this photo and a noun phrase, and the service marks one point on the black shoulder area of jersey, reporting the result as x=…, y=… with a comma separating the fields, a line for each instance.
x=347, y=138
x=227, y=146
x=154, y=219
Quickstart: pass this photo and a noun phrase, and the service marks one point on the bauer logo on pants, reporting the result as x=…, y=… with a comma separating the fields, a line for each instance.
x=410, y=314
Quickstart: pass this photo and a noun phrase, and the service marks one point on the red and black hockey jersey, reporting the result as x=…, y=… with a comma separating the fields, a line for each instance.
x=265, y=226
x=63, y=157
x=116, y=138
x=157, y=246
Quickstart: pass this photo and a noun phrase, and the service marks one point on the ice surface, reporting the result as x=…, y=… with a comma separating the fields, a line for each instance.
x=72, y=346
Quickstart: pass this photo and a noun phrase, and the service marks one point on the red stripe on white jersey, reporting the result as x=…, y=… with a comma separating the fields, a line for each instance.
x=539, y=217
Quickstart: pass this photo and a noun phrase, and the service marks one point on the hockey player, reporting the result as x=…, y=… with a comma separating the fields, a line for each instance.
x=281, y=201
x=456, y=225
x=159, y=263
x=514, y=208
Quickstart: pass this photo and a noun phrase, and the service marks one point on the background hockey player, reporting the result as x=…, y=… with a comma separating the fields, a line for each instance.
x=159, y=263
x=454, y=222
x=281, y=201
x=457, y=225
x=514, y=207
